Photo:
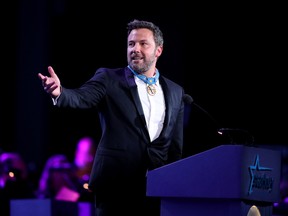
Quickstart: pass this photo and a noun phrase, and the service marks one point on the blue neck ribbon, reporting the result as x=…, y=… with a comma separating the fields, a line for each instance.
x=148, y=80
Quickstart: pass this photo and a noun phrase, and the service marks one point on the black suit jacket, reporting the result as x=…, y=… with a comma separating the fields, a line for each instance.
x=124, y=151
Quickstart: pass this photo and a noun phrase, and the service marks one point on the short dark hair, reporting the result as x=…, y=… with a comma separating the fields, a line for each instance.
x=136, y=24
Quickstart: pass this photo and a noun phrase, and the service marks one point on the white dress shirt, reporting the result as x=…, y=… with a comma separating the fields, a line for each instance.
x=153, y=107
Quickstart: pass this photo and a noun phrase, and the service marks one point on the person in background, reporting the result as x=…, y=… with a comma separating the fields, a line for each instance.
x=141, y=113
x=82, y=164
x=14, y=180
x=57, y=180
x=281, y=208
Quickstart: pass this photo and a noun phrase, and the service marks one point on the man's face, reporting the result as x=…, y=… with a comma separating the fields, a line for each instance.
x=142, y=52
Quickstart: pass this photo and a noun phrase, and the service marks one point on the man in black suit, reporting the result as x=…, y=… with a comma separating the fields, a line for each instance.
x=141, y=115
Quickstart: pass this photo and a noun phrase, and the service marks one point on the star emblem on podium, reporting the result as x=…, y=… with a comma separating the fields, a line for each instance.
x=254, y=168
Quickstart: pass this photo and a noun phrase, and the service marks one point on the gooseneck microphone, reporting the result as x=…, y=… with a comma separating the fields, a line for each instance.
x=231, y=133
x=187, y=99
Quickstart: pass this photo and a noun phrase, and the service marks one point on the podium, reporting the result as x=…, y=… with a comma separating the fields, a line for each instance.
x=50, y=207
x=228, y=180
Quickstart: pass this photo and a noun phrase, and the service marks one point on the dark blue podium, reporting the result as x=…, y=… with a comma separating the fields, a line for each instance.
x=50, y=207
x=225, y=180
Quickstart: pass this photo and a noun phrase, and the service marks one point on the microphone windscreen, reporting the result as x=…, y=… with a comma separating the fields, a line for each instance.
x=187, y=99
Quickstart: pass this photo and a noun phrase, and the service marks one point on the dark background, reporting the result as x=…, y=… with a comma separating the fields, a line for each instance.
x=229, y=57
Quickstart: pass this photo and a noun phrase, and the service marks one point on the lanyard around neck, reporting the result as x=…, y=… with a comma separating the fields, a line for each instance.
x=148, y=80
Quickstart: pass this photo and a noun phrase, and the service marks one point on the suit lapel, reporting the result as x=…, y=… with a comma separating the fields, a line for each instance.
x=134, y=92
x=135, y=96
x=168, y=102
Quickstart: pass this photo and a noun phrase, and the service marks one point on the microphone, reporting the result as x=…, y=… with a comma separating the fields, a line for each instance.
x=187, y=99
x=231, y=133
x=234, y=133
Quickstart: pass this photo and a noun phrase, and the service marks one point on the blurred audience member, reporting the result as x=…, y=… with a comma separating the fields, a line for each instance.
x=281, y=208
x=57, y=180
x=83, y=161
x=284, y=183
x=14, y=180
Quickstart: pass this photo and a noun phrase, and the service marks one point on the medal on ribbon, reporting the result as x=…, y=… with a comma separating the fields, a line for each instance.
x=151, y=89
x=150, y=81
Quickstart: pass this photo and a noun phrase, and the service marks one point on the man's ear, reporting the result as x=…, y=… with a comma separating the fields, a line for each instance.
x=159, y=51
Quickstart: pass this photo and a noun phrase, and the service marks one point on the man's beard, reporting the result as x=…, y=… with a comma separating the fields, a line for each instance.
x=141, y=68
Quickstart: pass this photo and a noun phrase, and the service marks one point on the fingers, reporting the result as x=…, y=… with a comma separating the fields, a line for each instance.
x=52, y=72
x=42, y=77
x=51, y=83
x=49, y=87
x=46, y=80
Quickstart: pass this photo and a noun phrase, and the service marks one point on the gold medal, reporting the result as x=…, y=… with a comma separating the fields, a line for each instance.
x=151, y=89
